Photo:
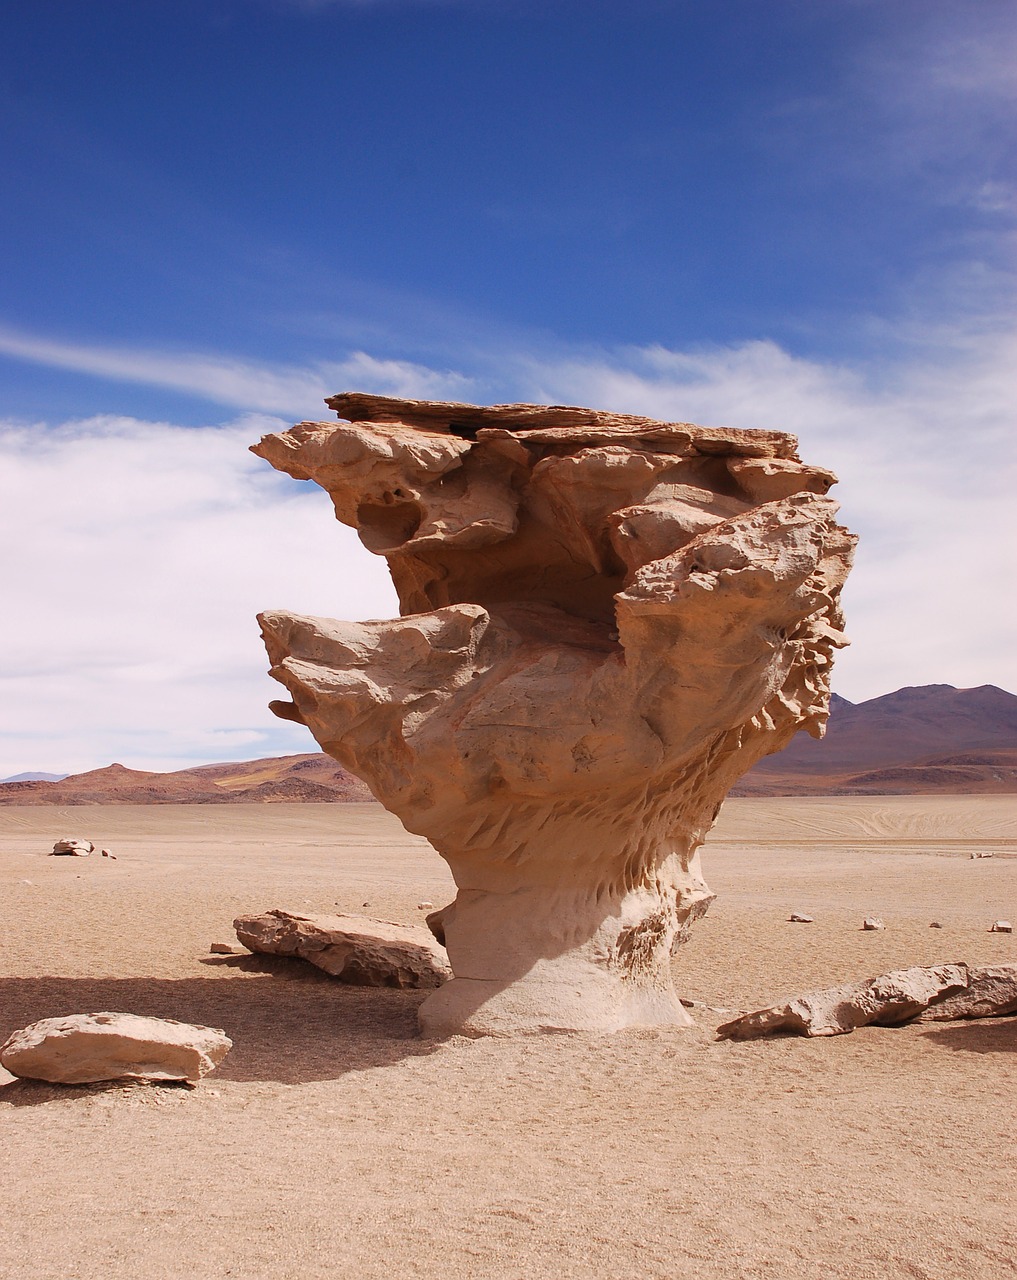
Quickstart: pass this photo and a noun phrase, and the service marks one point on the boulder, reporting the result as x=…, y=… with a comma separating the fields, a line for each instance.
x=885, y=1001
x=1001, y=926
x=355, y=949
x=87, y=1047
x=991, y=992
x=871, y=924
x=69, y=847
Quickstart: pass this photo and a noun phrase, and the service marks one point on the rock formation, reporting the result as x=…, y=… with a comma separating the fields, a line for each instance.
x=607, y=620
x=88, y=1047
x=354, y=949
x=991, y=993
x=72, y=847
x=885, y=1001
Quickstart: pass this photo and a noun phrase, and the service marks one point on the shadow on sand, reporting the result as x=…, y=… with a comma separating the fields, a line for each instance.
x=289, y=1023
x=977, y=1035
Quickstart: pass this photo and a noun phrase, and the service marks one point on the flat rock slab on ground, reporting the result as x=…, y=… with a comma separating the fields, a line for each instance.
x=89, y=1047
x=886, y=1001
x=355, y=949
x=991, y=993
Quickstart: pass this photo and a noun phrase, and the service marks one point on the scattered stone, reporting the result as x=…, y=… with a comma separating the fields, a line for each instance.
x=991, y=992
x=69, y=847
x=1001, y=926
x=885, y=1001
x=796, y=918
x=355, y=949
x=871, y=923
x=226, y=949
x=89, y=1047
x=425, y=906
x=105, y=853
x=981, y=855
x=934, y=924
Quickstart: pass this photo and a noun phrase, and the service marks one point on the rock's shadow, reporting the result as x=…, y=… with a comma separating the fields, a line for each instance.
x=291, y=1024
x=977, y=1035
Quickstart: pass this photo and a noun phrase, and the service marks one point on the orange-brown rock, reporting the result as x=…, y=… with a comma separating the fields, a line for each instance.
x=607, y=619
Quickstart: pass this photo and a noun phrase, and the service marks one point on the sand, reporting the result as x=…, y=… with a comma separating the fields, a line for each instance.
x=334, y=1142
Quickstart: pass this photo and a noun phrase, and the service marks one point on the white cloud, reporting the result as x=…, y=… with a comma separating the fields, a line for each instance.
x=145, y=549
x=144, y=552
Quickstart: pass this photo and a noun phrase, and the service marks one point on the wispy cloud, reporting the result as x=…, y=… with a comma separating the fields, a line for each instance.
x=287, y=389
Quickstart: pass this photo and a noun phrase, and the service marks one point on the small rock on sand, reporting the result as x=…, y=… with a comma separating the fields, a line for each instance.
x=872, y=923
x=797, y=918
x=226, y=949
x=1001, y=926
x=71, y=847
x=88, y=1047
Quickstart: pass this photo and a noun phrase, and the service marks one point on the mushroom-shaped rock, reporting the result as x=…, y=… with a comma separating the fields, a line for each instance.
x=886, y=1001
x=354, y=949
x=89, y=1047
x=606, y=621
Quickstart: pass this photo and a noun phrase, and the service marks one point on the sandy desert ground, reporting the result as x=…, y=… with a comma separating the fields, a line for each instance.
x=334, y=1142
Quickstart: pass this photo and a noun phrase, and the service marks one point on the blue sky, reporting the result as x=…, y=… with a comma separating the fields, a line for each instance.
x=793, y=214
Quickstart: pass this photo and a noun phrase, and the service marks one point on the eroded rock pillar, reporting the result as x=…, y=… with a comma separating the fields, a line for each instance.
x=606, y=621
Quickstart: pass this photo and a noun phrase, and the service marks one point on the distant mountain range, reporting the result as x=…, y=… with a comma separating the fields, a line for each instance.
x=304, y=777
x=929, y=739
x=932, y=738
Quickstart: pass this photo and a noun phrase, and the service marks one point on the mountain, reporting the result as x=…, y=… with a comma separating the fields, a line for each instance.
x=927, y=738
x=930, y=739
x=300, y=778
x=35, y=777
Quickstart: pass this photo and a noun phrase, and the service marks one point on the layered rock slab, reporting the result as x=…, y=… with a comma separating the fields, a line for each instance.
x=354, y=949
x=607, y=619
x=991, y=993
x=885, y=1001
x=86, y=1048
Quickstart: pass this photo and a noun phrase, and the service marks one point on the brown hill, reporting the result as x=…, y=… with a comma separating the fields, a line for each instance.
x=303, y=777
x=932, y=738
x=925, y=740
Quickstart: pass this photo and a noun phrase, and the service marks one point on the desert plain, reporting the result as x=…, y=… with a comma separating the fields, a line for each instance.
x=335, y=1142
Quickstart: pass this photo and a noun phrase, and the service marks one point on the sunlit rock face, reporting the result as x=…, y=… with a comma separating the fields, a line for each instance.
x=606, y=621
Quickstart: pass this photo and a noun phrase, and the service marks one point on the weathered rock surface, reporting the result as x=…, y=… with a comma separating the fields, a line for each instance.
x=991, y=992
x=70, y=847
x=355, y=949
x=89, y=1047
x=885, y=1001
x=607, y=620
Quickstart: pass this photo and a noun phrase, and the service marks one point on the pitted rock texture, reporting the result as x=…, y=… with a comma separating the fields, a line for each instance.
x=88, y=1047
x=607, y=620
x=354, y=949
